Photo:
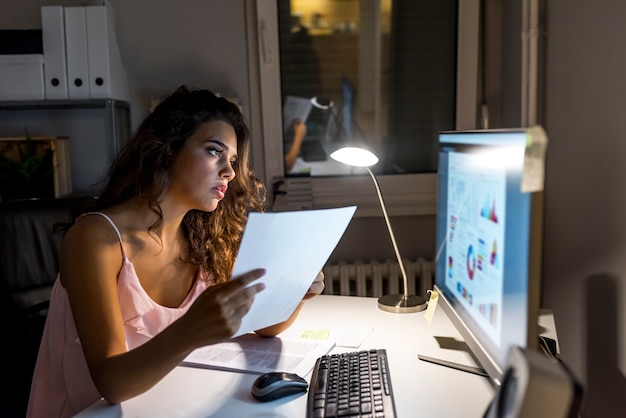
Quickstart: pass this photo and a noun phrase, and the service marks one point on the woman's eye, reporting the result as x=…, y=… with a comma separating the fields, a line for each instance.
x=216, y=152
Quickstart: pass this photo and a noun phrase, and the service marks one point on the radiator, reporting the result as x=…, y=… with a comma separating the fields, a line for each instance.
x=377, y=278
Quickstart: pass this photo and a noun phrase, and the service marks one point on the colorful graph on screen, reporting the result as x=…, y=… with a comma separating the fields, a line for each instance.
x=475, y=231
x=471, y=263
x=488, y=210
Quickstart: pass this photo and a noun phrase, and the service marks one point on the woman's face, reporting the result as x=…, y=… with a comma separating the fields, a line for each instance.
x=204, y=166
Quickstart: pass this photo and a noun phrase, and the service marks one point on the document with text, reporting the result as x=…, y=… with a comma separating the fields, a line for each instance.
x=255, y=354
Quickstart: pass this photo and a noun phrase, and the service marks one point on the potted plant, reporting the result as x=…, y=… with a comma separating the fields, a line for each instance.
x=26, y=169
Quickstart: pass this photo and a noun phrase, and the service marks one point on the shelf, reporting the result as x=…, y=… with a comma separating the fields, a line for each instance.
x=61, y=104
x=97, y=129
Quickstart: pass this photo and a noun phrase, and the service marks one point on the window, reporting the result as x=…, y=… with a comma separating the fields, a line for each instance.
x=375, y=73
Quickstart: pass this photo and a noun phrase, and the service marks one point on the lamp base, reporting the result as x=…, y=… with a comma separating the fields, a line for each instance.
x=400, y=304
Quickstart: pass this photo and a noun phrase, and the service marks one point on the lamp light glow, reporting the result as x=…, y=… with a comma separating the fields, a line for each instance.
x=356, y=157
x=399, y=303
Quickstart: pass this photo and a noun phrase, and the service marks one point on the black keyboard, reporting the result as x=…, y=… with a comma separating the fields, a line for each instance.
x=354, y=384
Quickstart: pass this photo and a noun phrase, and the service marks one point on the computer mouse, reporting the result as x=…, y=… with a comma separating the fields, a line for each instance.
x=275, y=385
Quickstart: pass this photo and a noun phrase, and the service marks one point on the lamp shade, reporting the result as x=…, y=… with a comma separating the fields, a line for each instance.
x=356, y=157
x=322, y=102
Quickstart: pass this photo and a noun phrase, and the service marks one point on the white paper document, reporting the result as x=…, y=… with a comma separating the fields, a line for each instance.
x=295, y=108
x=256, y=354
x=350, y=337
x=292, y=247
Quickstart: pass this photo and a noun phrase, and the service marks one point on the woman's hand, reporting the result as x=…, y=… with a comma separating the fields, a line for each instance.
x=217, y=313
x=316, y=287
x=299, y=129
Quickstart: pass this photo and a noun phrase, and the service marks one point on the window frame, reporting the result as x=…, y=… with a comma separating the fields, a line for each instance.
x=404, y=194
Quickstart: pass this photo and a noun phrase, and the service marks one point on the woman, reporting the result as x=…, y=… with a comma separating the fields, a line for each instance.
x=144, y=277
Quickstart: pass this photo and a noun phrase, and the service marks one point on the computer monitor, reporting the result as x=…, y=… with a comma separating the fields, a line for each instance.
x=489, y=235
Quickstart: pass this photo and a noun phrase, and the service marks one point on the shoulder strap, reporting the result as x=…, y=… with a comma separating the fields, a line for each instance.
x=117, y=231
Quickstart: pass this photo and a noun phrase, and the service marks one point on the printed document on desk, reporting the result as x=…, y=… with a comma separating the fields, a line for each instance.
x=292, y=247
x=255, y=354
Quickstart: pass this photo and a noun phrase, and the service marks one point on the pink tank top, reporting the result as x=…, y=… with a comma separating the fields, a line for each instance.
x=61, y=385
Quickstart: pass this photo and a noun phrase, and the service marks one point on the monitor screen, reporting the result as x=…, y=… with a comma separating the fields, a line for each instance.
x=489, y=243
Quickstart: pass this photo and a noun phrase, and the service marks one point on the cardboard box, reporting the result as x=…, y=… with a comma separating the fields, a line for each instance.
x=21, y=77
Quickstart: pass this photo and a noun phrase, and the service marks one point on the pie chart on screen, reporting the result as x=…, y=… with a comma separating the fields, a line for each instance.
x=471, y=262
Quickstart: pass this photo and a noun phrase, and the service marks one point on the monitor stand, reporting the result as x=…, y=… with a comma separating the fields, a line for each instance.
x=450, y=343
x=457, y=366
x=547, y=346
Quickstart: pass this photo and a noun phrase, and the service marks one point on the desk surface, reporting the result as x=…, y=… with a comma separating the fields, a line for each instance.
x=327, y=167
x=420, y=388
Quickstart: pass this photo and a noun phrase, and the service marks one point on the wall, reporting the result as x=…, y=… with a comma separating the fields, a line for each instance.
x=164, y=45
x=585, y=240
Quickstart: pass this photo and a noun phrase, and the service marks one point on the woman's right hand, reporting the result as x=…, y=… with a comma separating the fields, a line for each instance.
x=299, y=129
x=217, y=313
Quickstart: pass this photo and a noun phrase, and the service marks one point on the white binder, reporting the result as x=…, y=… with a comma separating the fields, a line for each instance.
x=107, y=76
x=53, y=37
x=76, y=53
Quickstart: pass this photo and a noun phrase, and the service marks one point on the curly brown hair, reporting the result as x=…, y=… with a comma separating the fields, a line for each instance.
x=144, y=169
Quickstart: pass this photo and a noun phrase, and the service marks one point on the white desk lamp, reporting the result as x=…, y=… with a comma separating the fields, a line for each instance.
x=399, y=303
x=327, y=105
x=322, y=102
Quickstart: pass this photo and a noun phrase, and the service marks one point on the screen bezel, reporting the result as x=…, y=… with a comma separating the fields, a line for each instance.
x=493, y=359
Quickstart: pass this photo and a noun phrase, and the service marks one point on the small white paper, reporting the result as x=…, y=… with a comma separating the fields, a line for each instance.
x=534, y=160
x=292, y=247
x=351, y=337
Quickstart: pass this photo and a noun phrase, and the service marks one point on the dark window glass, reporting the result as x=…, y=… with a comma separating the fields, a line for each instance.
x=374, y=73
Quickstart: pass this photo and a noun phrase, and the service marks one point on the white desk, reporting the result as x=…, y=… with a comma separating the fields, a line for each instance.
x=420, y=388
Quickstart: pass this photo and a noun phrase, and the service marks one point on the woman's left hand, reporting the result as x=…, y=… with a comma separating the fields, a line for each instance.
x=316, y=287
